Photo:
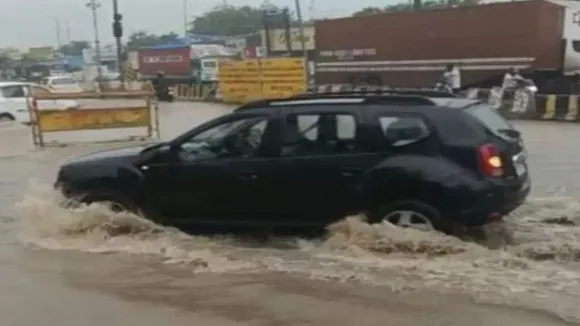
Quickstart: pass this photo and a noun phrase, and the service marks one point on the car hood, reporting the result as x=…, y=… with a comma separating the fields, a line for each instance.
x=120, y=155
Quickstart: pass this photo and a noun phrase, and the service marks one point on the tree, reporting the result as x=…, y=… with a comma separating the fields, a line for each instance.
x=143, y=39
x=74, y=48
x=368, y=11
x=405, y=6
x=228, y=20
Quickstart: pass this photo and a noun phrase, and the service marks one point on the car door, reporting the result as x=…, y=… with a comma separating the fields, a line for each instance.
x=203, y=182
x=322, y=155
x=14, y=102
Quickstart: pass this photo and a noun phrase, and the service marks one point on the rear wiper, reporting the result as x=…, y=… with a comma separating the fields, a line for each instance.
x=512, y=133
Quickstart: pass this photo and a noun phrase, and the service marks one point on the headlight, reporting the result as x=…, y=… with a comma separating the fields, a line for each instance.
x=532, y=89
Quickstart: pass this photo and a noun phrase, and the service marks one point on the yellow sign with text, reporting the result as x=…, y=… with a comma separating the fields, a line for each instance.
x=282, y=90
x=255, y=79
x=241, y=92
x=87, y=119
x=286, y=70
x=238, y=71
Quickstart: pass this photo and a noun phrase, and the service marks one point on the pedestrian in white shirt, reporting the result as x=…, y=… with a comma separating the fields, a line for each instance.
x=452, y=75
x=511, y=79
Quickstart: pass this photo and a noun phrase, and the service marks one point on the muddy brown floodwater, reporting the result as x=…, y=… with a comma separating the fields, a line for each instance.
x=94, y=267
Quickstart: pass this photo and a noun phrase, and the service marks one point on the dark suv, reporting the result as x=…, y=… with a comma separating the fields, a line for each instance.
x=422, y=160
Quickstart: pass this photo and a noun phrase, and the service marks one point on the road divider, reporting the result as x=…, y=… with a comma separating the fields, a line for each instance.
x=141, y=118
x=243, y=85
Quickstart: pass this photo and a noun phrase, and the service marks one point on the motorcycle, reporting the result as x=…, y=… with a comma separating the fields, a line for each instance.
x=443, y=87
x=165, y=94
x=527, y=84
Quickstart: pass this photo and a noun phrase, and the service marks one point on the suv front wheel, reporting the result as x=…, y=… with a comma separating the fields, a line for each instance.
x=409, y=214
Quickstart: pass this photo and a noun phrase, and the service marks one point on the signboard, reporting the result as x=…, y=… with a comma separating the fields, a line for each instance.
x=239, y=80
x=282, y=77
x=278, y=39
x=108, y=53
x=86, y=119
x=247, y=80
x=41, y=53
x=162, y=58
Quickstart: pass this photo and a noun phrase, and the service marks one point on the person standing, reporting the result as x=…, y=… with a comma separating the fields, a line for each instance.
x=452, y=77
x=511, y=79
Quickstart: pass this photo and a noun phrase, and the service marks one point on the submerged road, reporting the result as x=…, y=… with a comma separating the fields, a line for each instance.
x=91, y=267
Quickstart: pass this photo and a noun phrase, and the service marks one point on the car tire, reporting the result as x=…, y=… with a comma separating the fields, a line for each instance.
x=116, y=201
x=410, y=213
x=6, y=117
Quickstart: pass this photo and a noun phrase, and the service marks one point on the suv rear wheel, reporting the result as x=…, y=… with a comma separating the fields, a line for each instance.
x=409, y=214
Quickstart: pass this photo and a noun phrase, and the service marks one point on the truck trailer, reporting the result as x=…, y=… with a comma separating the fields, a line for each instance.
x=411, y=49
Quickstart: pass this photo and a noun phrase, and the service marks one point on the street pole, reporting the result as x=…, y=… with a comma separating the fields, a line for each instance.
x=58, y=35
x=118, y=35
x=93, y=5
x=185, y=21
x=303, y=41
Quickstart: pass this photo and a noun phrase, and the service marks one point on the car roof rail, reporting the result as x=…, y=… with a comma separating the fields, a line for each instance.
x=379, y=91
x=333, y=98
x=383, y=97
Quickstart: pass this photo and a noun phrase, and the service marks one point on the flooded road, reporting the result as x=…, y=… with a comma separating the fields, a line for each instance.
x=93, y=267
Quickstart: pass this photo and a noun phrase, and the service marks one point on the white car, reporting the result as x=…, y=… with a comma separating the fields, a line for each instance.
x=14, y=97
x=64, y=84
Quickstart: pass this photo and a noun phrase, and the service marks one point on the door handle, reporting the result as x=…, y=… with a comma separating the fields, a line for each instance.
x=250, y=176
x=349, y=173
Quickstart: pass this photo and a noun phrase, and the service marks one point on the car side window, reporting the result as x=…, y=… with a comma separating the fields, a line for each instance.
x=237, y=138
x=38, y=90
x=13, y=91
x=403, y=130
x=318, y=134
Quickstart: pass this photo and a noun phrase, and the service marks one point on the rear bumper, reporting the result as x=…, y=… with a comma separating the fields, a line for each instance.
x=496, y=203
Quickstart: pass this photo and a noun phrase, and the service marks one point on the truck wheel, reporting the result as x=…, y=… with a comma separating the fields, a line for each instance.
x=6, y=117
x=410, y=214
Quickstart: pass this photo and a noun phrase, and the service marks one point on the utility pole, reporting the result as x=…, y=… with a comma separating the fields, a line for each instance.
x=303, y=40
x=118, y=33
x=58, y=36
x=185, y=20
x=93, y=5
x=68, y=38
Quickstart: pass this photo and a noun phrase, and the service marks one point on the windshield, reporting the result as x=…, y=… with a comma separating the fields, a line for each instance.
x=210, y=64
x=487, y=115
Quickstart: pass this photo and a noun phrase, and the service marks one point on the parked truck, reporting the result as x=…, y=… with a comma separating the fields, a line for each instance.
x=173, y=61
x=411, y=49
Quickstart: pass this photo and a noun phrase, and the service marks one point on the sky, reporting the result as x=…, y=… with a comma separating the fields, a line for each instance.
x=32, y=23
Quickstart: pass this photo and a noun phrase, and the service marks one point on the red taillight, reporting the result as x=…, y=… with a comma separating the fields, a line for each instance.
x=490, y=160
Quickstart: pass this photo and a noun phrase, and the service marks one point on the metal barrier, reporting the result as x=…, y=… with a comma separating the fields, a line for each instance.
x=522, y=104
x=92, y=117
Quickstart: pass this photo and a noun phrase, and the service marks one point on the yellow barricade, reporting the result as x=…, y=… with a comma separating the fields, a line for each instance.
x=191, y=92
x=255, y=79
x=94, y=118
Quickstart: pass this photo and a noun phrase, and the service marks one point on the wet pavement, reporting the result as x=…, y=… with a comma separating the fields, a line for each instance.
x=93, y=267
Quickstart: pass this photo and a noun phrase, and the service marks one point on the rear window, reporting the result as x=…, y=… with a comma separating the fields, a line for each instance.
x=489, y=117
